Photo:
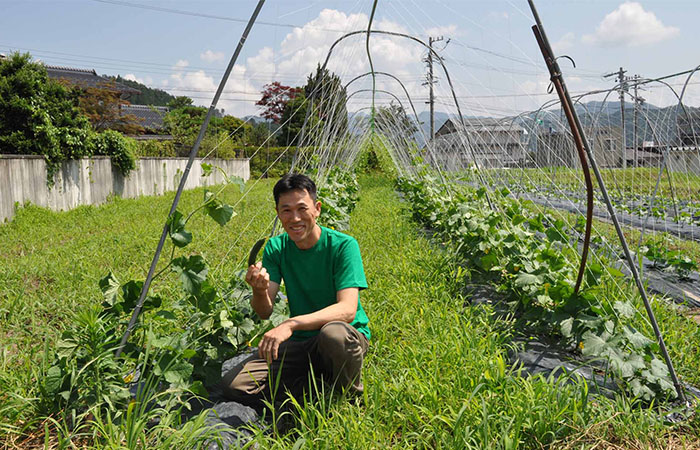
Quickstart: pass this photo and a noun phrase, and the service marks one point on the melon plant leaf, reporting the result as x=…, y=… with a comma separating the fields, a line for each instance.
x=205, y=298
x=224, y=320
x=238, y=181
x=592, y=344
x=279, y=313
x=192, y=272
x=176, y=228
x=624, y=309
x=178, y=373
x=66, y=345
x=247, y=326
x=640, y=390
x=198, y=389
x=526, y=279
x=637, y=339
x=109, y=286
x=566, y=326
x=206, y=169
x=658, y=368
x=130, y=294
x=221, y=213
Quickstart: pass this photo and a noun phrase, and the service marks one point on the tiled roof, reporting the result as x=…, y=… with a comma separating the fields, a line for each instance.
x=86, y=78
x=150, y=117
x=487, y=124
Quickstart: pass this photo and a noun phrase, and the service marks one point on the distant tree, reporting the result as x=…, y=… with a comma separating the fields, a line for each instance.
x=102, y=106
x=294, y=117
x=179, y=102
x=258, y=134
x=275, y=97
x=392, y=119
x=237, y=129
x=39, y=116
x=148, y=95
x=326, y=93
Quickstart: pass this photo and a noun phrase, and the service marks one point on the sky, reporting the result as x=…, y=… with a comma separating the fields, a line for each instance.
x=488, y=47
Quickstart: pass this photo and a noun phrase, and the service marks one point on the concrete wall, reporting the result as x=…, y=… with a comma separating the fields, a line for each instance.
x=91, y=181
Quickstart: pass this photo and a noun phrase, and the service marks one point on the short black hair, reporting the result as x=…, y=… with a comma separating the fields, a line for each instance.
x=294, y=182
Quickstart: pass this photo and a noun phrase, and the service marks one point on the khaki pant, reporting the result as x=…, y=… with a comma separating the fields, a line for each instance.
x=336, y=353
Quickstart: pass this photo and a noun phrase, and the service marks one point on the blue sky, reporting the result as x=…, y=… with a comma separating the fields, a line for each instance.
x=183, y=46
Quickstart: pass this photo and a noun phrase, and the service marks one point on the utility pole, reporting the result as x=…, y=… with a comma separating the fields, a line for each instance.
x=638, y=101
x=622, y=81
x=430, y=82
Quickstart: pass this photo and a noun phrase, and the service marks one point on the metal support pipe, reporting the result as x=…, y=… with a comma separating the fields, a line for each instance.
x=618, y=228
x=183, y=180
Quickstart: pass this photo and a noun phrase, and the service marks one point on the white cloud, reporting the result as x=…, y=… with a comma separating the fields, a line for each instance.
x=197, y=83
x=629, y=26
x=565, y=43
x=181, y=64
x=211, y=56
x=263, y=63
x=448, y=31
x=299, y=53
x=145, y=80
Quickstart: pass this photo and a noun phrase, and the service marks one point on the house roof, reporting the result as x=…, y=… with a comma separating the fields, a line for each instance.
x=87, y=78
x=479, y=124
x=150, y=117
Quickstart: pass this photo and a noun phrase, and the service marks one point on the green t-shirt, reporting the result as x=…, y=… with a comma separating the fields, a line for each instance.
x=312, y=277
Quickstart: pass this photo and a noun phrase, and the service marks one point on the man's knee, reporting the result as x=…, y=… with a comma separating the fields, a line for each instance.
x=246, y=380
x=340, y=338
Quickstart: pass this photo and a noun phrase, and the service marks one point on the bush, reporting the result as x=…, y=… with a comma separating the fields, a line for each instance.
x=119, y=148
x=158, y=149
x=39, y=116
x=270, y=162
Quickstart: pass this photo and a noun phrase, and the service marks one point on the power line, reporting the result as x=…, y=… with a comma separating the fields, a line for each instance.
x=209, y=16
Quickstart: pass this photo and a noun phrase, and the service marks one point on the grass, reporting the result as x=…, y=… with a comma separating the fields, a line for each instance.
x=436, y=374
x=50, y=263
x=630, y=180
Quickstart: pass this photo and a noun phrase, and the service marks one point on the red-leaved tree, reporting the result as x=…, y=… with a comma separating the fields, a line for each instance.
x=274, y=98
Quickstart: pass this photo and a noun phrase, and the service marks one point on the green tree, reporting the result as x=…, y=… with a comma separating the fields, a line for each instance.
x=393, y=120
x=148, y=96
x=237, y=129
x=39, y=116
x=258, y=134
x=293, y=120
x=326, y=93
x=179, y=102
x=222, y=133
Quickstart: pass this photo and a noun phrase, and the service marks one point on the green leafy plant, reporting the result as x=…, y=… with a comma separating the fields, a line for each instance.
x=338, y=194
x=538, y=273
x=188, y=337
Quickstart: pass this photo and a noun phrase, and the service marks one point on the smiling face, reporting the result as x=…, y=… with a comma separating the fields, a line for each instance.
x=298, y=213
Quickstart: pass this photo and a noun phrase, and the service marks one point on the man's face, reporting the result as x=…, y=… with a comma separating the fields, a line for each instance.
x=298, y=213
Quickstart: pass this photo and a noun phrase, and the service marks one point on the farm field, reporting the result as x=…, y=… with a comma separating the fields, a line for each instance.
x=437, y=373
x=638, y=180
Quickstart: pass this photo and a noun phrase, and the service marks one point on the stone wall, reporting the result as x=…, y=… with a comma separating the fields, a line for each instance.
x=92, y=181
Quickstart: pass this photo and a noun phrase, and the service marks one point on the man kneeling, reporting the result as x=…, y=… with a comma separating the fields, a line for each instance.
x=327, y=331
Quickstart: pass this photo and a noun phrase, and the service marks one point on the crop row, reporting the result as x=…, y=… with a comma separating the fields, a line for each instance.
x=530, y=259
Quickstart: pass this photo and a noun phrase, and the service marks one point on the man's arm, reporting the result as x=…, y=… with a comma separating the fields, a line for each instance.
x=344, y=310
x=264, y=290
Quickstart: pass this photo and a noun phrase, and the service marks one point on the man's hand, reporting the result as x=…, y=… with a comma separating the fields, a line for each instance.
x=258, y=278
x=270, y=343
